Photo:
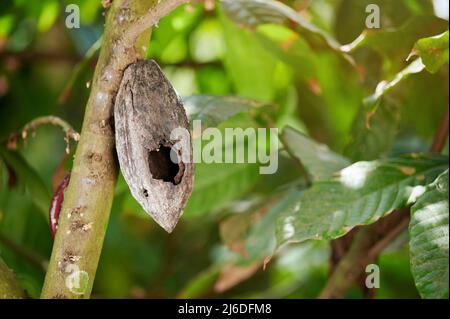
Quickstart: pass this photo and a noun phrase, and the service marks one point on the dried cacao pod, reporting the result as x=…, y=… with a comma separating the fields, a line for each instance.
x=153, y=142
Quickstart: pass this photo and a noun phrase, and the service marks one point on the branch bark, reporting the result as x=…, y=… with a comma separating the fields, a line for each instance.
x=88, y=198
x=367, y=244
x=371, y=240
x=9, y=287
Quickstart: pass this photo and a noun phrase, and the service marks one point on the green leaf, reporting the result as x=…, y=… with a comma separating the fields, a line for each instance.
x=169, y=42
x=429, y=240
x=318, y=159
x=250, y=67
x=49, y=14
x=213, y=110
x=254, y=12
x=371, y=103
x=396, y=42
x=6, y=25
x=424, y=99
x=376, y=124
x=351, y=15
x=216, y=185
x=289, y=47
x=369, y=142
x=251, y=13
x=201, y=284
x=206, y=42
x=261, y=240
x=360, y=195
x=433, y=51
x=34, y=185
x=88, y=8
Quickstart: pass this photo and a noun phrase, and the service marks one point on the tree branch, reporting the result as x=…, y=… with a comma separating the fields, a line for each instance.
x=371, y=240
x=88, y=198
x=441, y=134
x=9, y=287
x=367, y=244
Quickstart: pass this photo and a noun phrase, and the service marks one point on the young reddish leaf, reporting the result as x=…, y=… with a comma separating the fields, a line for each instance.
x=56, y=203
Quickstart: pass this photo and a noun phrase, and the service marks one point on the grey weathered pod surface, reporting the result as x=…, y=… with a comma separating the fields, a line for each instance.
x=151, y=126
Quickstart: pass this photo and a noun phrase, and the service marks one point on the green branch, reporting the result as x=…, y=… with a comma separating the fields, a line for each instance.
x=88, y=198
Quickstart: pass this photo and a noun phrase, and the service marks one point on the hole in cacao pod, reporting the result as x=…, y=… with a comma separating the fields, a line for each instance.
x=162, y=167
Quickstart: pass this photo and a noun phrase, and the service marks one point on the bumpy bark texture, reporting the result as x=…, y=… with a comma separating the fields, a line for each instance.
x=148, y=113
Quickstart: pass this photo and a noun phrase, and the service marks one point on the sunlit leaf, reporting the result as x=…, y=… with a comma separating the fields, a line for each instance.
x=433, y=51
x=429, y=240
x=183, y=79
x=252, y=13
x=6, y=24
x=255, y=12
x=89, y=9
x=48, y=16
x=169, y=41
x=360, y=194
x=250, y=67
x=207, y=42
x=289, y=47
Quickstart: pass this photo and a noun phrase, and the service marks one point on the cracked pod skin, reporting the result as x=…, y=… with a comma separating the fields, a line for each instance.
x=155, y=162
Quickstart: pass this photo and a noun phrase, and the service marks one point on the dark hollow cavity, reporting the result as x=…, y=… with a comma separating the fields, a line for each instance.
x=162, y=167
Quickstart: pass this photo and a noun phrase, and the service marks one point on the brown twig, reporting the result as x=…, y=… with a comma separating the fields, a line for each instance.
x=70, y=133
x=441, y=134
x=367, y=244
x=51, y=120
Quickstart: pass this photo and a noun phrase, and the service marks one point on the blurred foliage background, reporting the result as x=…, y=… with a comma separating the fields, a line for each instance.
x=219, y=247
